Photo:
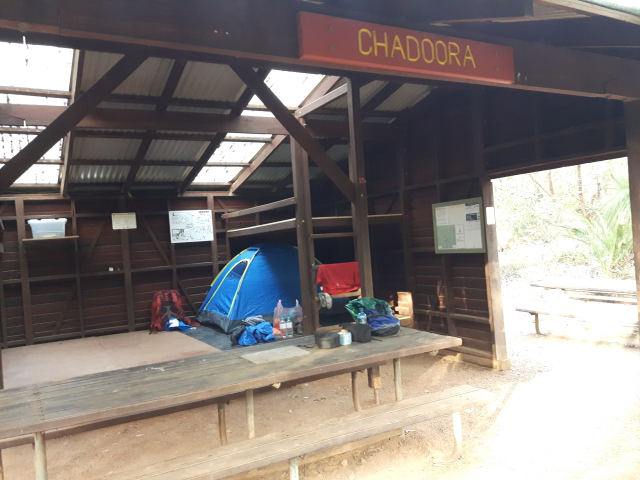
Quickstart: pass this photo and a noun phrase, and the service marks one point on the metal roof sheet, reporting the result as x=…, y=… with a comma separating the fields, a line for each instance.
x=167, y=150
x=87, y=174
x=280, y=154
x=148, y=79
x=96, y=148
x=155, y=174
x=242, y=152
x=217, y=174
x=405, y=97
x=209, y=81
x=366, y=92
x=266, y=174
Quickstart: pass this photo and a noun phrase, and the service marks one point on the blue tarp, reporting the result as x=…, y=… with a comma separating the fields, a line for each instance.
x=262, y=332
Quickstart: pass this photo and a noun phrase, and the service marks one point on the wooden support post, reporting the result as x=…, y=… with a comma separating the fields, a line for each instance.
x=397, y=378
x=251, y=421
x=214, y=242
x=375, y=382
x=76, y=259
x=40, y=456
x=401, y=155
x=24, y=272
x=359, y=206
x=304, y=230
x=293, y=469
x=354, y=391
x=632, y=120
x=222, y=423
x=492, y=267
x=457, y=434
x=126, y=266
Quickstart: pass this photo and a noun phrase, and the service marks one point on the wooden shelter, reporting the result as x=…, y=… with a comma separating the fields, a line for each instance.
x=421, y=102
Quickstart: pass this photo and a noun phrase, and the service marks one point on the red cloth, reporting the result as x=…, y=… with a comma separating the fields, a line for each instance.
x=339, y=277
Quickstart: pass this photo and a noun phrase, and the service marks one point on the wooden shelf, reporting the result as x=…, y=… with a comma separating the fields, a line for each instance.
x=50, y=239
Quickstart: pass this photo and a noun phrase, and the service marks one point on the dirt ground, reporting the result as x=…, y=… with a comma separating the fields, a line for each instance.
x=568, y=409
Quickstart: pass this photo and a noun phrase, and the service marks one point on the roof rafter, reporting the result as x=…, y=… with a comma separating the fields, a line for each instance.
x=167, y=93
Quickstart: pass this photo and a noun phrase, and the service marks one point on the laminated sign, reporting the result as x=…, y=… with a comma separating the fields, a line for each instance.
x=459, y=226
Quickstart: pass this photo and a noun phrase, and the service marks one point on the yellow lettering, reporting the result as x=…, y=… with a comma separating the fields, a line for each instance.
x=361, y=34
x=468, y=56
x=397, y=45
x=428, y=50
x=454, y=50
x=377, y=44
x=413, y=40
x=442, y=60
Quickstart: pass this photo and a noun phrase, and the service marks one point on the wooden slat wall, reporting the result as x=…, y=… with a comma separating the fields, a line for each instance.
x=60, y=310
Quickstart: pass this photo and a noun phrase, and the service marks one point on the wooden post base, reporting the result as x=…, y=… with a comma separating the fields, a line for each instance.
x=375, y=382
x=354, y=391
x=293, y=469
x=251, y=425
x=397, y=378
x=40, y=456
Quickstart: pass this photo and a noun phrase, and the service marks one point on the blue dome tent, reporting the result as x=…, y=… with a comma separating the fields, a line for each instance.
x=251, y=284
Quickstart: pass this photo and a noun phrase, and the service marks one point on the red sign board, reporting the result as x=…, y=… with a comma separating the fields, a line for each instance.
x=354, y=43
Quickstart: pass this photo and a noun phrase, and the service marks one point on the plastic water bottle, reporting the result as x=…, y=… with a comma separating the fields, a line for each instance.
x=286, y=324
x=361, y=317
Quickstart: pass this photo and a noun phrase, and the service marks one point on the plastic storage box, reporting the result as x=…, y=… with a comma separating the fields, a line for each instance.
x=48, y=227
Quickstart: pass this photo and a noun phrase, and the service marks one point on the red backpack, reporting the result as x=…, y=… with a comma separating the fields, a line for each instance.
x=167, y=304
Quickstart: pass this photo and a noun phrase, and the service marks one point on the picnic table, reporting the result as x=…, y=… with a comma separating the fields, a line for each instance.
x=121, y=394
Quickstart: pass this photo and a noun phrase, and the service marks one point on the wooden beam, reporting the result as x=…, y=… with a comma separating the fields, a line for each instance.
x=68, y=119
x=322, y=101
x=304, y=229
x=258, y=160
x=163, y=103
x=35, y=92
x=296, y=130
x=125, y=250
x=632, y=118
x=619, y=12
x=492, y=266
x=357, y=175
x=287, y=202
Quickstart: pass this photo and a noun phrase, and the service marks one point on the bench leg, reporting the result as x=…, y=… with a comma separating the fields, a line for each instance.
x=354, y=391
x=536, y=319
x=397, y=378
x=294, y=474
x=222, y=423
x=375, y=382
x=1, y=468
x=251, y=425
x=40, y=456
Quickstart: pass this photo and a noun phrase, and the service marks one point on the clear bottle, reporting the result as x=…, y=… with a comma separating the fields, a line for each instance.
x=361, y=317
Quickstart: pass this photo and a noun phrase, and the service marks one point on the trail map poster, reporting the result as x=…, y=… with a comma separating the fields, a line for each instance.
x=459, y=226
x=190, y=226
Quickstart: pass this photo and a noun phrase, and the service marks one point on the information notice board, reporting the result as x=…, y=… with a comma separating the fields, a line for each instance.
x=459, y=226
x=190, y=226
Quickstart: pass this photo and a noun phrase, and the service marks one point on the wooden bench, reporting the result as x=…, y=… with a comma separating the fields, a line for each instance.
x=536, y=315
x=278, y=447
x=122, y=395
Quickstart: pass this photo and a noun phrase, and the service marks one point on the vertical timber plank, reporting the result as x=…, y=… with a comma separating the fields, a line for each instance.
x=357, y=175
x=632, y=122
x=492, y=267
x=214, y=242
x=76, y=260
x=126, y=266
x=24, y=272
x=304, y=229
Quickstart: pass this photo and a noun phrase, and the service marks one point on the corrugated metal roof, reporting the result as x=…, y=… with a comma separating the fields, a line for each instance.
x=280, y=154
x=366, y=92
x=87, y=174
x=217, y=174
x=127, y=106
x=167, y=150
x=236, y=152
x=155, y=174
x=338, y=152
x=95, y=148
x=149, y=79
x=209, y=81
x=190, y=109
x=266, y=174
x=405, y=97
x=40, y=174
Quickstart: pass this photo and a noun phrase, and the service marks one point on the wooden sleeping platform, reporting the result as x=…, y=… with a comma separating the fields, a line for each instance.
x=153, y=389
x=319, y=223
